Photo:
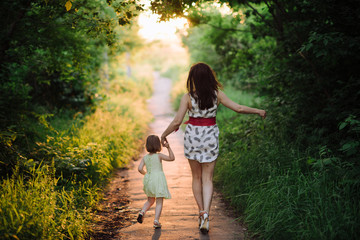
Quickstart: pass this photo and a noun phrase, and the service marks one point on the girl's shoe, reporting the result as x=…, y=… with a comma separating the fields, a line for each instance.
x=201, y=213
x=157, y=224
x=140, y=217
x=204, y=226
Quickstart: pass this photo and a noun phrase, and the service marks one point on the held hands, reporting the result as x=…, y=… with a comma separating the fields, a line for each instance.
x=164, y=142
x=166, y=145
x=171, y=156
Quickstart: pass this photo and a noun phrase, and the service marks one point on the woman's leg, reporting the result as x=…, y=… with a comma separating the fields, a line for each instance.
x=207, y=184
x=197, y=183
x=148, y=204
x=158, y=208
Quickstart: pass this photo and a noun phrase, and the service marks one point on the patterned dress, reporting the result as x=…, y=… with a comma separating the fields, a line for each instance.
x=154, y=181
x=201, y=143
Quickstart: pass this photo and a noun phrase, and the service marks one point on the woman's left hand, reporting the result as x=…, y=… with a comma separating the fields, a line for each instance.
x=262, y=113
x=163, y=141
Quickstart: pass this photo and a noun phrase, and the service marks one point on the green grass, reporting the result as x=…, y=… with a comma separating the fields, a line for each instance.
x=302, y=206
x=280, y=191
x=33, y=208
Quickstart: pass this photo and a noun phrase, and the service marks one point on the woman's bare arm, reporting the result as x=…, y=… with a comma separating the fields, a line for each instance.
x=179, y=117
x=227, y=102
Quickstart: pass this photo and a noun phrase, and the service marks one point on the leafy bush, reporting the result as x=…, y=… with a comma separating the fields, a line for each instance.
x=66, y=171
x=50, y=58
x=61, y=134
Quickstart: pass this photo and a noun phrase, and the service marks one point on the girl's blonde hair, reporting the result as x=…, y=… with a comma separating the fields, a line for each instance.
x=153, y=144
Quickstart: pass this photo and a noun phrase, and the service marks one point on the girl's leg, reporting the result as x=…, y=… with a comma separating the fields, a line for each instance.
x=145, y=208
x=197, y=183
x=158, y=208
x=148, y=204
x=207, y=184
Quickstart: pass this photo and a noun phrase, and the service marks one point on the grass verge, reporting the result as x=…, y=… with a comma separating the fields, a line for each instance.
x=280, y=189
x=52, y=195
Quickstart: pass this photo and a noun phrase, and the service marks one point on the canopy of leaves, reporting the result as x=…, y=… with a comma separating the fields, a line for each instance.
x=170, y=8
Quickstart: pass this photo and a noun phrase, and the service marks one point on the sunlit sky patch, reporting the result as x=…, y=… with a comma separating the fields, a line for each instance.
x=151, y=29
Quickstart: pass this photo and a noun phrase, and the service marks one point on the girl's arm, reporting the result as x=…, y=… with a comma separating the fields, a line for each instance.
x=179, y=117
x=141, y=167
x=227, y=102
x=164, y=157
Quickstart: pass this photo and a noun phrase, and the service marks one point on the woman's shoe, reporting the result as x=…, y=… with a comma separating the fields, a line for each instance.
x=157, y=224
x=204, y=226
x=201, y=213
x=140, y=217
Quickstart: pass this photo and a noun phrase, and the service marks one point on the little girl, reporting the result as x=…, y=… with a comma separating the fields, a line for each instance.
x=155, y=186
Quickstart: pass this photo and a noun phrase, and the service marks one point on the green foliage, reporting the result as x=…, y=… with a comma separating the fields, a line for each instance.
x=302, y=206
x=50, y=60
x=170, y=8
x=225, y=42
x=32, y=208
x=282, y=191
x=312, y=72
x=350, y=144
x=67, y=169
x=301, y=56
x=61, y=134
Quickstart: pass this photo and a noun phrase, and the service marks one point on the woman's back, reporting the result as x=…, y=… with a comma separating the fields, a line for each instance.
x=196, y=112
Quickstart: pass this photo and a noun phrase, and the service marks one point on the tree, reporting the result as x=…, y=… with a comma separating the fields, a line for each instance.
x=51, y=52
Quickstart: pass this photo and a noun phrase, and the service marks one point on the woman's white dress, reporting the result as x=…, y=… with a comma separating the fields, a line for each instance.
x=201, y=143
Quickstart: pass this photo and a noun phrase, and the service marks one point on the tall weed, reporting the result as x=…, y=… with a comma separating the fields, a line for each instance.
x=294, y=205
x=32, y=208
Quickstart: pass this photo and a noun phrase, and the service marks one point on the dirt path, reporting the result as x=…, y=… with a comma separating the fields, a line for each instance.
x=125, y=197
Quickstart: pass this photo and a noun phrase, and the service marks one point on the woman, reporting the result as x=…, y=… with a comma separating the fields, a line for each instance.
x=201, y=140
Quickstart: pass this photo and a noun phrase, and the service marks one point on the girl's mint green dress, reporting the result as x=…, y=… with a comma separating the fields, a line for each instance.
x=155, y=184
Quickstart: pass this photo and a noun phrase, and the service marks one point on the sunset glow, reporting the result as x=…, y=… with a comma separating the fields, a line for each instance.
x=151, y=29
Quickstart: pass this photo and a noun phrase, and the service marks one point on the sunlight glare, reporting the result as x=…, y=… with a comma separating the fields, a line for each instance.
x=151, y=29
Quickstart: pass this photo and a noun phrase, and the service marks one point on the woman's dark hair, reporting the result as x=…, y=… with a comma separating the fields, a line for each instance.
x=153, y=144
x=202, y=85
